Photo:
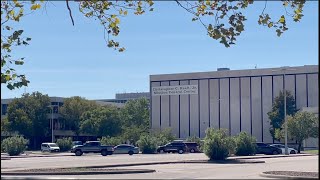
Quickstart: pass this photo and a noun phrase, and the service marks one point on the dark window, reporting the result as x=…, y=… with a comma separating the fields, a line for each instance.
x=55, y=109
x=54, y=103
x=60, y=104
x=4, y=109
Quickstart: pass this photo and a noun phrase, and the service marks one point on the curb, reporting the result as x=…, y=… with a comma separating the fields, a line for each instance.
x=270, y=156
x=285, y=177
x=113, y=171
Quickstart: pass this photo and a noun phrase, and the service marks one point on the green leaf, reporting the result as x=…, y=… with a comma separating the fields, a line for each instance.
x=270, y=24
x=282, y=19
x=35, y=7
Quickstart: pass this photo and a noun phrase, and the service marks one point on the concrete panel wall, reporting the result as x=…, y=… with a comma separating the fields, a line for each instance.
x=277, y=85
x=184, y=113
x=224, y=103
x=266, y=107
x=290, y=84
x=235, y=106
x=214, y=103
x=245, y=104
x=174, y=111
x=165, y=116
x=301, y=88
x=313, y=90
x=204, y=106
x=194, y=112
x=256, y=108
x=155, y=108
x=277, y=88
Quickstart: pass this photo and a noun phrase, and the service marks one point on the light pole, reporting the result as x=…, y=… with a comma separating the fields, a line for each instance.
x=284, y=69
x=52, y=137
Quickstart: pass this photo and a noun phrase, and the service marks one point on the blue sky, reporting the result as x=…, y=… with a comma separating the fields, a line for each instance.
x=65, y=60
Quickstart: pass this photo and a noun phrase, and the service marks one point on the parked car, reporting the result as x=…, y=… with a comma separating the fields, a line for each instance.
x=92, y=147
x=263, y=148
x=175, y=146
x=193, y=147
x=50, y=147
x=126, y=149
x=75, y=143
x=282, y=147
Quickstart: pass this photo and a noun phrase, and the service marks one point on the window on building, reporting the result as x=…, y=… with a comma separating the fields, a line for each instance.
x=55, y=109
x=4, y=108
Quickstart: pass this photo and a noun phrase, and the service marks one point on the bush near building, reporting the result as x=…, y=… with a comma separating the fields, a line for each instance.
x=217, y=144
x=114, y=141
x=14, y=145
x=147, y=144
x=245, y=144
x=197, y=140
x=64, y=144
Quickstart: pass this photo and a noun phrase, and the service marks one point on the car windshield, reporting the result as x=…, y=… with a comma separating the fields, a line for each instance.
x=53, y=145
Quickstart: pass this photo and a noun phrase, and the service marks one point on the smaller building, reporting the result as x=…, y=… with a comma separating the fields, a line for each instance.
x=60, y=129
x=124, y=97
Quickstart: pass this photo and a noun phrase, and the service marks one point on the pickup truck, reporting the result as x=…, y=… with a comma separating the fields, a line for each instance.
x=92, y=147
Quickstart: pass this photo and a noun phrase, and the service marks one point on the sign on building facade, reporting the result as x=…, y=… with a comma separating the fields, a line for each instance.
x=174, y=90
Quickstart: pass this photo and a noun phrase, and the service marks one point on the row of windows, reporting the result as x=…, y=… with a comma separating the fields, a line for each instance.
x=55, y=105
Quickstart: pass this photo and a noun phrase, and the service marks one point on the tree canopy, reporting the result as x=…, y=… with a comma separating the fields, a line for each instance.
x=302, y=126
x=276, y=115
x=72, y=110
x=102, y=121
x=222, y=21
x=28, y=115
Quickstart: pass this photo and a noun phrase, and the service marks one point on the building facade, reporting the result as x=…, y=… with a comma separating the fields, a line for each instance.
x=237, y=100
x=60, y=129
x=124, y=97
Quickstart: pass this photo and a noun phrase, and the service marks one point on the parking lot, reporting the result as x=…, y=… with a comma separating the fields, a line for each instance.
x=180, y=171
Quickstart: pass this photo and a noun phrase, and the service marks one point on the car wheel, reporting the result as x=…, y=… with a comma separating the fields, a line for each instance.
x=130, y=153
x=78, y=153
x=104, y=153
x=161, y=151
x=292, y=152
x=275, y=152
x=180, y=151
x=192, y=150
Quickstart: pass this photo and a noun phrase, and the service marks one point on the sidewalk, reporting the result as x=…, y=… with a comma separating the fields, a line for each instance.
x=30, y=154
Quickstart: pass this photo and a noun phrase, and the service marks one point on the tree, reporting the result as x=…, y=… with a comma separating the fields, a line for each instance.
x=276, y=115
x=28, y=116
x=226, y=22
x=73, y=108
x=102, y=121
x=135, y=119
x=302, y=126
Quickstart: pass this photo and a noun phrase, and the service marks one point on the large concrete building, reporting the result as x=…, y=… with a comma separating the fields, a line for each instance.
x=237, y=100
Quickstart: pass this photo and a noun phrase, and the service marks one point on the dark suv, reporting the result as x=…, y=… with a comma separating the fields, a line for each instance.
x=193, y=147
x=263, y=148
x=179, y=147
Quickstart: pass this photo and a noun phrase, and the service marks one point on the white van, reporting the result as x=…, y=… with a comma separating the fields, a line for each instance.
x=49, y=147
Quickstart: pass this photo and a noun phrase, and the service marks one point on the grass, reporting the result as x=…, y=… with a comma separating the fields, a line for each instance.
x=316, y=151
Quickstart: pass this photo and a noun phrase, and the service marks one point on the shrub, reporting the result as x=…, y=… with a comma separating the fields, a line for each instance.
x=245, y=144
x=147, y=144
x=217, y=144
x=163, y=137
x=14, y=145
x=64, y=144
x=110, y=140
x=197, y=140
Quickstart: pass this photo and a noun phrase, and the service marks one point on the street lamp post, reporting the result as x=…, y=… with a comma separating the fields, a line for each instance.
x=284, y=69
x=52, y=137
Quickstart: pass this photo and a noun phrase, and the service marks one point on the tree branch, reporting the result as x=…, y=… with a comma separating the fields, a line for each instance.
x=67, y=1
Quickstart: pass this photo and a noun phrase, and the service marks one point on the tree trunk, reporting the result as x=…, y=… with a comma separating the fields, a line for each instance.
x=299, y=146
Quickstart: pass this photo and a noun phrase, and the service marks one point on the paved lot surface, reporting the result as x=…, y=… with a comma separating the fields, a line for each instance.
x=168, y=171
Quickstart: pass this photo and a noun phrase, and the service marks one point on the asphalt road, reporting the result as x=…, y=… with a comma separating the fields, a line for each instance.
x=167, y=171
